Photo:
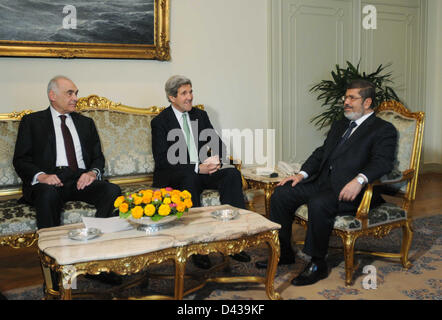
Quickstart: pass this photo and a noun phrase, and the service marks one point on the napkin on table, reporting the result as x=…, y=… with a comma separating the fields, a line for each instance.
x=107, y=225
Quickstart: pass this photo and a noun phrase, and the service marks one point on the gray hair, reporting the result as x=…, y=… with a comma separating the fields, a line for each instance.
x=53, y=85
x=174, y=83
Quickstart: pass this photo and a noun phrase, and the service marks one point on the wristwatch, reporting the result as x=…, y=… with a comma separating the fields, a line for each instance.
x=360, y=180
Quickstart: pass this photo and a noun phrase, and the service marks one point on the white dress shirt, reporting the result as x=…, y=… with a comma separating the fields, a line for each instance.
x=61, y=159
x=179, y=117
x=358, y=123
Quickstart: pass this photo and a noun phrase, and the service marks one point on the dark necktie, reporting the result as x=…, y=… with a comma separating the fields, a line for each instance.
x=351, y=126
x=68, y=145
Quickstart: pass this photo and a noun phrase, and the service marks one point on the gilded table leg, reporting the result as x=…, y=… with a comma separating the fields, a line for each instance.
x=180, y=266
x=274, y=252
x=268, y=190
x=50, y=293
x=68, y=281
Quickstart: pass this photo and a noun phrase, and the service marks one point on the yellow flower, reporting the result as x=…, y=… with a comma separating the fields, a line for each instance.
x=147, y=198
x=164, y=210
x=149, y=210
x=118, y=201
x=138, y=200
x=166, y=200
x=188, y=203
x=175, y=193
x=137, y=212
x=181, y=206
x=123, y=207
x=175, y=198
x=186, y=194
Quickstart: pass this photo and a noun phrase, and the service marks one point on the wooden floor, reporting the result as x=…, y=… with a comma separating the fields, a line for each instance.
x=20, y=268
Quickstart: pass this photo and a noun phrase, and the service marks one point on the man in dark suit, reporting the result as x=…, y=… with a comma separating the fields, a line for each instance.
x=182, y=136
x=58, y=157
x=358, y=149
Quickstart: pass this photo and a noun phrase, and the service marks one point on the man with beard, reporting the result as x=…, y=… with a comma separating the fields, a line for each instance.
x=358, y=150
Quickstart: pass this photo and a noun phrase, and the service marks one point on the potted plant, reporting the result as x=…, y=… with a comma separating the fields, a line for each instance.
x=331, y=91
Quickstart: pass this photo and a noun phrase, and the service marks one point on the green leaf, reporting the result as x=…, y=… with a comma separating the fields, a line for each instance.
x=124, y=215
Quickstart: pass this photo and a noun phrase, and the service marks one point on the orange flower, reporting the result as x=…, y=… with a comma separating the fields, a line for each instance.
x=147, y=198
x=164, y=210
x=181, y=206
x=137, y=212
x=124, y=207
x=175, y=198
x=138, y=200
x=188, y=203
x=118, y=201
x=186, y=194
x=149, y=210
x=175, y=193
x=166, y=200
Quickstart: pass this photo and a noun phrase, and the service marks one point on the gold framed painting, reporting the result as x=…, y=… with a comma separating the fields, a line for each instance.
x=119, y=29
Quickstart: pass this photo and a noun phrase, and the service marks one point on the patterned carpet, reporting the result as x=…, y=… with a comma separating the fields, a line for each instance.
x=423, y=281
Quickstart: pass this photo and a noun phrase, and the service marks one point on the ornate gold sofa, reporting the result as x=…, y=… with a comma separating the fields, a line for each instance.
x=126, y=142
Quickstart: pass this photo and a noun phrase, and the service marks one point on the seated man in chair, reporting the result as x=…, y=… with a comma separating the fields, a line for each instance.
x=58, y=156
x=180, y=147
x=358, y=149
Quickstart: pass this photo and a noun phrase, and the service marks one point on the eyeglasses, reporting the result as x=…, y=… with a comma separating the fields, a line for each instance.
x=350, y=97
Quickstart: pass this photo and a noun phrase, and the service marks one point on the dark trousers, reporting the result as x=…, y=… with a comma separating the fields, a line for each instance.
x=322, y=206
x=227, y=181
x=49, y=200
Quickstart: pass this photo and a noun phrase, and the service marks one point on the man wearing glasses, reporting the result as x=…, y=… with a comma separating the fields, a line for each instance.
x=358, y=149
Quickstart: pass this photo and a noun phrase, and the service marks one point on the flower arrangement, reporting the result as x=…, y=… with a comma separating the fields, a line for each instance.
x=155, y=204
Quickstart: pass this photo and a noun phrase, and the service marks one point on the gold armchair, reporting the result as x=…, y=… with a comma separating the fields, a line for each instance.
x=381, y=220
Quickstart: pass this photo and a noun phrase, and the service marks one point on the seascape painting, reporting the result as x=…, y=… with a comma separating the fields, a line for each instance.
x=113, y=29
x=110, y=21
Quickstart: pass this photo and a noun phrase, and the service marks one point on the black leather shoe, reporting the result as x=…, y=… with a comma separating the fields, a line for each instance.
x=282, y=260
x=311, y=274
x=106, y=278
x=241, y=257
x=201, y=261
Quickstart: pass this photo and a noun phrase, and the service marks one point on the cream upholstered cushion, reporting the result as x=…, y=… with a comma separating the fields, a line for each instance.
x=385, y=213
x=406, y=128
x=126, y=142
x=8, y=133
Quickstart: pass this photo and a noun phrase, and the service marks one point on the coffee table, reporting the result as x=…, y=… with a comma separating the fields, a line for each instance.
x=132, y=251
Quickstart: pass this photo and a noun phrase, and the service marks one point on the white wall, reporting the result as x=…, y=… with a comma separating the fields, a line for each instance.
x=433, y=127
x=220, y=45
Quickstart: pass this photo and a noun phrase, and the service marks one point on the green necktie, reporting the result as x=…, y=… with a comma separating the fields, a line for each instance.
x=190, y=144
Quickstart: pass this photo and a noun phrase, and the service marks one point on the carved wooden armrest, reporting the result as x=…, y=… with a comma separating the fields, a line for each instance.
x=364, y=206
x=406, y=175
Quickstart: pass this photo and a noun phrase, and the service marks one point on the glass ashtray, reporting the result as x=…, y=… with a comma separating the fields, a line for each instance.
x=84, y=234
x=225, y=214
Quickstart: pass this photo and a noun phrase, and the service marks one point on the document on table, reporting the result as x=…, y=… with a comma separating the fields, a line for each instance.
x=107, y=225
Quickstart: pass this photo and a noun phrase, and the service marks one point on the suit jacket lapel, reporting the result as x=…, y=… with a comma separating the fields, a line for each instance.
x=49, y=124
x=357, y=134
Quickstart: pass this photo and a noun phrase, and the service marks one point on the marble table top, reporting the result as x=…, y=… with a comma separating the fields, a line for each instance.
x=250, y=173
x=196, y=226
